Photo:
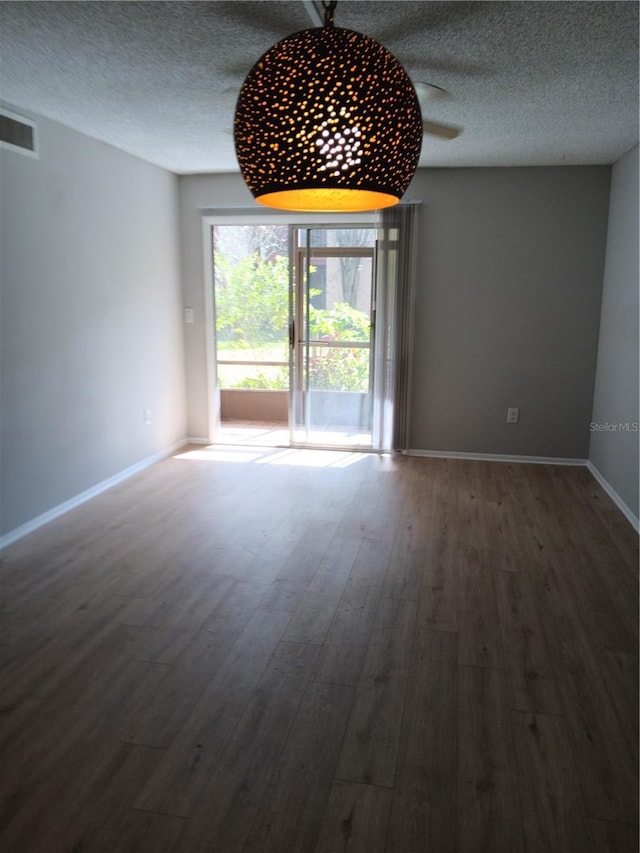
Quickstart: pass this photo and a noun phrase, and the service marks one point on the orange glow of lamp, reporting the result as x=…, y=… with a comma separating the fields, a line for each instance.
x=328, y=120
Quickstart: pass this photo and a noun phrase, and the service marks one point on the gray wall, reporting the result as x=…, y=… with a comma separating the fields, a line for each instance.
x=91, y=330
x=615, y=452
x=508, y=300
x=198, y=192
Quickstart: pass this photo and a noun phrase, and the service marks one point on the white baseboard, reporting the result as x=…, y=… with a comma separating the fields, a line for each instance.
x=498, y=457
x=35, y=523
x=615, y=497
x=198, y=441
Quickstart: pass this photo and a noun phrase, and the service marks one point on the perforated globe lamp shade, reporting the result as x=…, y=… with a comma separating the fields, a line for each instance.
x=328, y=120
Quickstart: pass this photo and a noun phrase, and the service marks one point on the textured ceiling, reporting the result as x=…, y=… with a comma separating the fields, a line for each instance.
x=532, y=83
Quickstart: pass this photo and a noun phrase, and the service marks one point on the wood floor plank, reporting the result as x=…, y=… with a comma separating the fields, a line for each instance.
x=601, y=584
x=439, y=584
x=420, y=812
x=620, y=674
x=195, y=752
x=607, y=771
x=202, y=646
x=290, y=814
x=375, y=508
x=585, y=577
x=232, y=796
x=27, y=822
x=429, y=719
x=370, y=746
x=160, y=720
x=355, y=820
x=407, y=558
x=479, y=639
x=370, y=565
x=86, y=711
x=345, y=646
x=423, y=814
x=504, y=544
x=601, y=518
x=549, y=573
x=268, y=557
x=303, y=561
x=140, y=832
x=313, y=616
x=527, y=660
x=553, y=813
x=488, y=805
x=610, y=837
x=38, y=669
x=77, y=810
x=613, y=595
x=284, y=595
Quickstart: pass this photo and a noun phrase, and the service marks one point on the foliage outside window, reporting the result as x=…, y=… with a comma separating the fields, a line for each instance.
x=252, y=315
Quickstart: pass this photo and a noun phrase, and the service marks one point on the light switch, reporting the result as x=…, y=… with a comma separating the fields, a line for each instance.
x=189, y=315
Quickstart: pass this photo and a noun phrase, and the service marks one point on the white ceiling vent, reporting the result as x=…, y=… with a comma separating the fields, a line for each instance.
x=18, y=133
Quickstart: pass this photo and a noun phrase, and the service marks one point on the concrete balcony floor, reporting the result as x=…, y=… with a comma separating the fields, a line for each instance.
x=265, y=434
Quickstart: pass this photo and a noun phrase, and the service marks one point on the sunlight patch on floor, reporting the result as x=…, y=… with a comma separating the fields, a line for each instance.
x=259, y=434
x=302, y=457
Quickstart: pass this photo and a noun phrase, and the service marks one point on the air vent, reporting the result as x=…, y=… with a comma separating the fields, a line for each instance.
x=18, y=133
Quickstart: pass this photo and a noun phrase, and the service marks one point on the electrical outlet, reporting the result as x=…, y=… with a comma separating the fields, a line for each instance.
x=513, y=415
x=189, y=315
x=146, y=416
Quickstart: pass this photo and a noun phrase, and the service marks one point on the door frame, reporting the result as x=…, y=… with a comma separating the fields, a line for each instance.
x=248, y=216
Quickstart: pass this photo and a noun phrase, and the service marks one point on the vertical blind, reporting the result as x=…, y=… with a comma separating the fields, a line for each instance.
x=395, y=295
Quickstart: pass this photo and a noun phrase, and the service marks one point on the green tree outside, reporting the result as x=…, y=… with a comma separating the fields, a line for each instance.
x=252, y=315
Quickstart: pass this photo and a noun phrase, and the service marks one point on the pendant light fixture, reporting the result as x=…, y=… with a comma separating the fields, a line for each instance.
x=328, y=120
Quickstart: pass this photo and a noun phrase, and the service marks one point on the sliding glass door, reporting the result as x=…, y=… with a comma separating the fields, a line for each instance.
x=292, y=334
x=332, y=336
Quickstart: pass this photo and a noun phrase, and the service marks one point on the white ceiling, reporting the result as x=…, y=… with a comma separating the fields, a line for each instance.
x=532, y=83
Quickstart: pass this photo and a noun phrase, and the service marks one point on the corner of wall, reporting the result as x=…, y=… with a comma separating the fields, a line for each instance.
x=614, y=444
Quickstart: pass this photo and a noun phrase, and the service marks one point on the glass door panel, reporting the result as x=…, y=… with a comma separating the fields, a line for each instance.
x=332, y=347
x=251, y=284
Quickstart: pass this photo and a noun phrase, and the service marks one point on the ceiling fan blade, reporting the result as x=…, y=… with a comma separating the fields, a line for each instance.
x=429, y=91
x=444, y=131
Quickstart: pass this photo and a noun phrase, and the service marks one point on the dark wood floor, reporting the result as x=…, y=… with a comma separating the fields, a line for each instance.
x=300, y=651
